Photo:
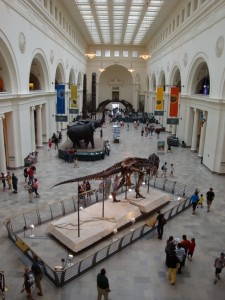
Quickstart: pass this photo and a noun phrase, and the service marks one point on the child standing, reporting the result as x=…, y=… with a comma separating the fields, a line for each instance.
x=29, y=189
x=9, y=179
x=49, y=144
x=200, y=202
x=191, y=249
x=35, y=188
x=76, y=163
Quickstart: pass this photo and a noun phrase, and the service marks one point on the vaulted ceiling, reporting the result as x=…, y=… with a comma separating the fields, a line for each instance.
x=119, y=22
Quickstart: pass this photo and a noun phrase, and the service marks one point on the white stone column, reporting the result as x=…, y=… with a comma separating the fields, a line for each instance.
x=3, y=168
x=174, y=129
x=39, y=126
x=32, y=129
x=195, y=131
x=202, y=139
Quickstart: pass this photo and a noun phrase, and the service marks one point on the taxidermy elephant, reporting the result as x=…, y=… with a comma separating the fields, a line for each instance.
x=83, y=132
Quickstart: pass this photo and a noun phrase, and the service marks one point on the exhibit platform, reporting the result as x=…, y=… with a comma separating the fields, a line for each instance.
x=94, y=225
x=84, y=153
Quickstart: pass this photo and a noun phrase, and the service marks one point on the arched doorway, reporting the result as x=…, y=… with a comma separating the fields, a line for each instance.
x=128, y=106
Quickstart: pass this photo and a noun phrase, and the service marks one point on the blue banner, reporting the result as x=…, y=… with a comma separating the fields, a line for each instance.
x=60, y=107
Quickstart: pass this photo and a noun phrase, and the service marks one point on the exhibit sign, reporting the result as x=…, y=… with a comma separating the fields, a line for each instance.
x=161, y=147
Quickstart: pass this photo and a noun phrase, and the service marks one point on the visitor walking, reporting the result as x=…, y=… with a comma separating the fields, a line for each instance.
x=191, y=249
x=185, y=243
x=194, y=201
x=164, y=170
x=14, y=183
x=28, y=282
x=161, y=222
x=170, y=247
x=180, y=252
x=25, y=173
x=3, y=179
x=200, y=202
x=171, y=170
x=9, y=180
x=38, y=274
x=49, y=144
x=172, y=265
x=102, y=285
x=35, y=188
x=29, y=189
x=219, y=264
x=210, y=195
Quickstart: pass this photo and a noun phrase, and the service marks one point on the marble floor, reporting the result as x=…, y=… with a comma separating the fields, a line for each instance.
x=138, y=272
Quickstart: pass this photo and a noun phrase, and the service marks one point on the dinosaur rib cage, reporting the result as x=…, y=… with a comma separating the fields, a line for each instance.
x=135, y=163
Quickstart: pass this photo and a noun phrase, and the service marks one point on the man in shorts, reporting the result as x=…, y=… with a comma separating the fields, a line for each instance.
x=210, y=195
x=219, y=265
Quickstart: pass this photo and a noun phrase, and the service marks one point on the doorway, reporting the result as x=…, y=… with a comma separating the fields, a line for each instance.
x=115, y=96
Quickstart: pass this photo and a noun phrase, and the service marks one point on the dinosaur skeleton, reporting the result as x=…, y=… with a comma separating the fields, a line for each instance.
x=125, y=169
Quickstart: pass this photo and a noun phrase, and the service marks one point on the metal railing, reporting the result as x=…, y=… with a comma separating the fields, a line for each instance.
x=19, y=223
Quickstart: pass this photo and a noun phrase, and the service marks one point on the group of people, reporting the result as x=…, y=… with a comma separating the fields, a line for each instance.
x=197, y=201
x=11, y=180
x=164, y=169
x=147, y=130
x=32, y=182
x=32, y=157
x=85, y=192
x=177, y=251
x=69, y=155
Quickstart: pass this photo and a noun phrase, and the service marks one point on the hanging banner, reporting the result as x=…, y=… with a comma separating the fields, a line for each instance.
x=174, y=96
x=159, y=98
x=73, y=97
x=60, y=107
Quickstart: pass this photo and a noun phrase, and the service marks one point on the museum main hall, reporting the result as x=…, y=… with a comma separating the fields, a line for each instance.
x=68, y=63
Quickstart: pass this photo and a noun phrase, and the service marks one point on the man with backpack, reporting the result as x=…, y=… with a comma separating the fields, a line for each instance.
x=164, y=170
x=38, y=274
x=161, y=222
x=28, y=282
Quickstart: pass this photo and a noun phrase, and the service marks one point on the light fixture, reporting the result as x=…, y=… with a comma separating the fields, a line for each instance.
x=91, y=55
x=115, y=232
x=132, y=221
x=110, y=196
x=31, y=231
x=70, y=260
x=131, y=69
x=146, y=56
x=101, y=69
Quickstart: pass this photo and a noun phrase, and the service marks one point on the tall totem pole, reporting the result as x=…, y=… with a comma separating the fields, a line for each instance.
x=84, y=109
x=93, y=101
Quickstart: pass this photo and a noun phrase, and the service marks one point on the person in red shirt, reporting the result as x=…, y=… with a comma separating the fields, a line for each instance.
x=191, y=249
x=35, y=188
x=30, y=173
x=185, y=243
